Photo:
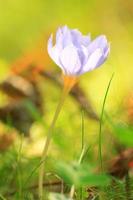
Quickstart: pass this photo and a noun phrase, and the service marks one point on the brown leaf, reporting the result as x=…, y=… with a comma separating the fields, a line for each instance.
x=6, y=140
x=119, y=165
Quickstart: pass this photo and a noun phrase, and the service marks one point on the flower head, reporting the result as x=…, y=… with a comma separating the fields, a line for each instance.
x=75, y=53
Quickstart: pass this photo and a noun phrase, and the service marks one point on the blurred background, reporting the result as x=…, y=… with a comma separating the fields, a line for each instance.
x=26, y=25
x=30, y=81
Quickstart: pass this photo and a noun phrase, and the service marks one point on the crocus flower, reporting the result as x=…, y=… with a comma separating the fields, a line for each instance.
x=75, y=53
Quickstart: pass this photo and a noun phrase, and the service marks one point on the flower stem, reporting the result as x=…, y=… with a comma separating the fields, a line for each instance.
x=68, y=84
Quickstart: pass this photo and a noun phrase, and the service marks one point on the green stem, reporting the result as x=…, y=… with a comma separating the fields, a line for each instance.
x=48, y=139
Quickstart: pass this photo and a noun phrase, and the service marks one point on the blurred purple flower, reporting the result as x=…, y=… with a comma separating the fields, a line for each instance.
x=75, y=53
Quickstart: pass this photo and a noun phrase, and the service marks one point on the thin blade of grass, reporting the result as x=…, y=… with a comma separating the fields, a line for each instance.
x=101, y=122
x=82, y=129
x=19, y=174
x=72, y=191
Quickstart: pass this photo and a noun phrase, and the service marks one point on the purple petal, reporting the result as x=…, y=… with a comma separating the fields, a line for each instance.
x=78, y=39
x=67, y=38
x=99, y=42
x=86, y=40
x=104, y=57
x=70, y=60
x=83, y=55
x=75, y=53
x=92, y=60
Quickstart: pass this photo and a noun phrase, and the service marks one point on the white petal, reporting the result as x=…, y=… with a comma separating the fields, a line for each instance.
x=92, y=60
x=54, y=51
x=70, y=60
x=106, y=53
x=67, y=38
x=59, y=38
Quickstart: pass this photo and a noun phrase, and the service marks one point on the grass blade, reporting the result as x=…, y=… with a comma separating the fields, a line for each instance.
x=101, y=121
